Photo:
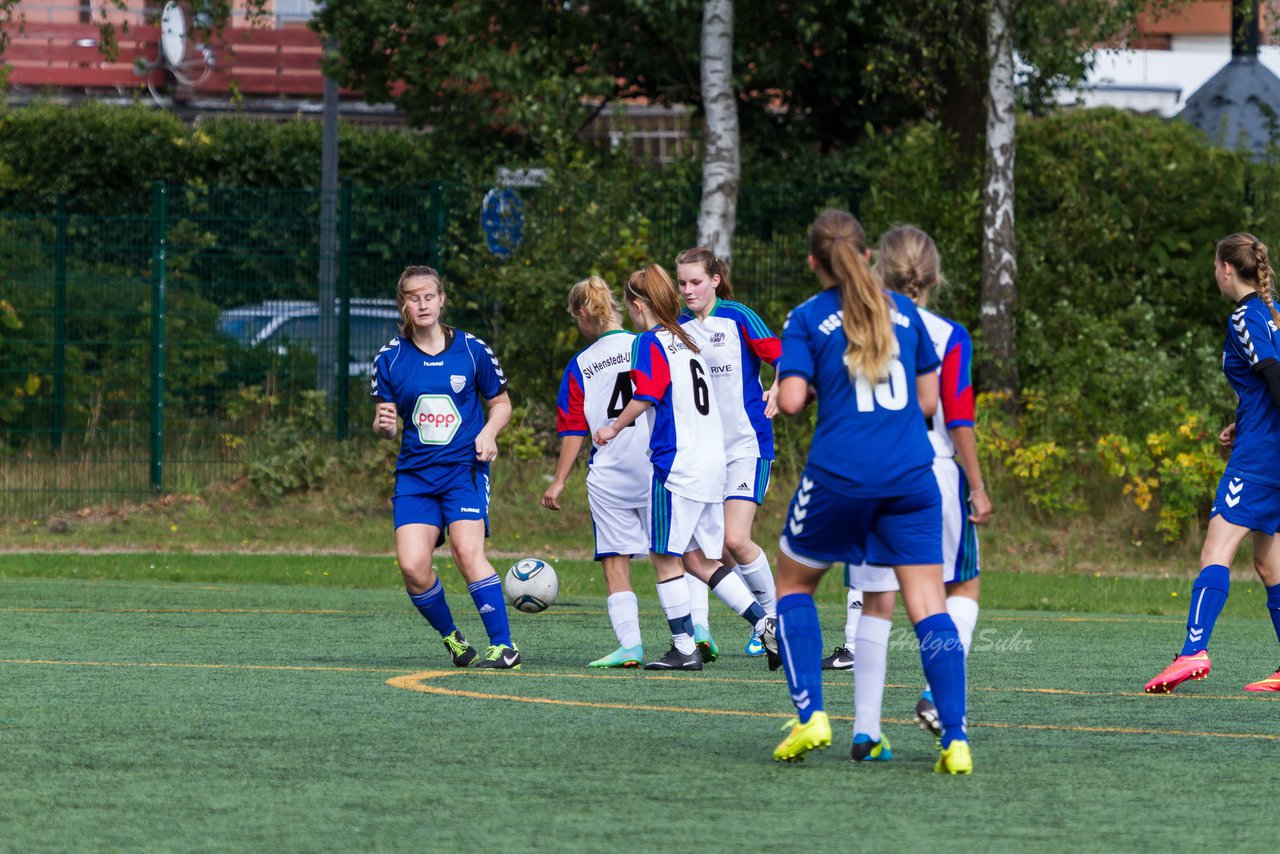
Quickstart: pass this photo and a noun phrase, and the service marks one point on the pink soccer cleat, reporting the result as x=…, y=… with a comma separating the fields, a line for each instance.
x=1184, y=667
x=1271, y=683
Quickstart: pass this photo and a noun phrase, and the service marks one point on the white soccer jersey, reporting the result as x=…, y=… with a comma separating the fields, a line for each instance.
x=687, y=442
x=733, y=341
x=954, y=347
x=595, y=389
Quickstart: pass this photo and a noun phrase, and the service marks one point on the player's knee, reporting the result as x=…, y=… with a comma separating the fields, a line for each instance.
x=740, y=547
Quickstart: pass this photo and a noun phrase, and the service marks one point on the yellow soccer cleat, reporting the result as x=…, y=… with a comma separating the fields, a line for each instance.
x=802, y=738
x=955, y=759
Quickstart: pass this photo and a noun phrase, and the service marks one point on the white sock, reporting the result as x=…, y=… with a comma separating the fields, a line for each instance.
x=624, y=613
x=673, y=595
x=699, y=600
x=759, y=579
x=853, y=612
x=964, y=613
x=733, y=592
x=869, y=667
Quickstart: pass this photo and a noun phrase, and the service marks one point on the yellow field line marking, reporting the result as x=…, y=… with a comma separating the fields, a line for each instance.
x=194, y=666
x=414, y=682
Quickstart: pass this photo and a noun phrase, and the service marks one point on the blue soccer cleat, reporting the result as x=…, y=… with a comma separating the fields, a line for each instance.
x=867, y=749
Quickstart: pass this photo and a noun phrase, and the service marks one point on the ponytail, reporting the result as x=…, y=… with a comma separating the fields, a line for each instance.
x=594, y=294
x=839, y=245
x=655, y=288
x=1248, y=257
x=907, y=261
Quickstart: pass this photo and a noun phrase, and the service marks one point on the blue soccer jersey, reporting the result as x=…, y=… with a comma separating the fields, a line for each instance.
x=438, y=397
x=1250, y=346
x=870, y=439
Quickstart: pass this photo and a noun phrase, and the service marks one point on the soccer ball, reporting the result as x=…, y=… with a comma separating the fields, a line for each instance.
x=531, y=585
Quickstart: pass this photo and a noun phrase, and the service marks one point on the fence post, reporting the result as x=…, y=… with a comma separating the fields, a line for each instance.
x=435, y=224
x=60, y=323
x=344, y=312
x=159, y=211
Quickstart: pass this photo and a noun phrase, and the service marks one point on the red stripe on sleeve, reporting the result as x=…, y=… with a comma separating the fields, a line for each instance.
x=572, y=418
x=957, y=403
x=768, y=349
x=653, y=385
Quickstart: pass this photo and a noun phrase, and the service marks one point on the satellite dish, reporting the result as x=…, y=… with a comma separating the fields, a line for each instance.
x=173, y=34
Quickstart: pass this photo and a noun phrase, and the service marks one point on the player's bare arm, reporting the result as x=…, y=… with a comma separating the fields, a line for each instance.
x=570, y=446
x=487, y=439
x=384, y=420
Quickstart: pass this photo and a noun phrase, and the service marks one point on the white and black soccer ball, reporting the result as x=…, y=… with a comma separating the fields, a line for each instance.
x=531, y=585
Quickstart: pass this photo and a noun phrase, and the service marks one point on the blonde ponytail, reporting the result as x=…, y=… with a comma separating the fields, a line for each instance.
x=839, y=245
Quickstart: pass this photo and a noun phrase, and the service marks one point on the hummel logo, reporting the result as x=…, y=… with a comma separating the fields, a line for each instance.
x=1235, y=486
x=1194, y=635
x=795, y=527
x=486, y=609
x=801, y=700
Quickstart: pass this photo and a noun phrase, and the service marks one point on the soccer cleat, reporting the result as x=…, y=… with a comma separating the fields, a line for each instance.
x=803, y=737
x=927, y=717
x=755, y=646
x=463, y=653
x=1184, y=667
x=955, y=759
x=676, y=660
x=770, y=641
x=501, y=657
x=841, y=658
x=706, y=645
x=1271, y=683
x=623, y=656
x=867, y=749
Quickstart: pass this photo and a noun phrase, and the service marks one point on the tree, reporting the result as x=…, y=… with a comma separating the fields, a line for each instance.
x=721, y=157
x=999, y=259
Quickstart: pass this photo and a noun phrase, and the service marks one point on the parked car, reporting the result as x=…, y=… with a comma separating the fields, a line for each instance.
x=287, y=324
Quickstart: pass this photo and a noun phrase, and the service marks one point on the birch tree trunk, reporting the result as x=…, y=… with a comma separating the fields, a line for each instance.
x=718, y=213
x=999, y=261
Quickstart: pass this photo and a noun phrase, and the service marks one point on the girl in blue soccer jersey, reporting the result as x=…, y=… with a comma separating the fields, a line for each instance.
x=734, y=341
x=686, y=446
x=867, y=492
x=596, y=387
x=1248, y=496
x=907, y=261
x=433, y=378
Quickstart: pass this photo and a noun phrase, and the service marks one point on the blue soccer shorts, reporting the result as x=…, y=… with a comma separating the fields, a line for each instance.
x=442, y=495
x=1249, y=504
x=825, y=527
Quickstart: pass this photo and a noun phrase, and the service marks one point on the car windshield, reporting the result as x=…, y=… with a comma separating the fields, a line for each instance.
x=243, y=327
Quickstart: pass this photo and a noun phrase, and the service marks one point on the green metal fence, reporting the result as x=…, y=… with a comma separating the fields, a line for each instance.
x=141, y=339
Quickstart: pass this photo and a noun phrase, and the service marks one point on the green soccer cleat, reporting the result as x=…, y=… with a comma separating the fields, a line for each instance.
x=501, y=657
x=955, y=759
x=867, y=749
x=462, y=652
x=816, y=734
x=623, y=656
x=706, y=645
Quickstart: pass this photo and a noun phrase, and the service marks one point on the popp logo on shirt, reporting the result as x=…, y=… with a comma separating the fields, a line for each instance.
x=437, y=419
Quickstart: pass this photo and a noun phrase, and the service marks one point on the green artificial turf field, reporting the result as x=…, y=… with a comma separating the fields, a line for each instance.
x=165, y=716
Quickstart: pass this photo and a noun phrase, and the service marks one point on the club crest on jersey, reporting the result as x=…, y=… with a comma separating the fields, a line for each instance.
x=456, y=382
x=717, y=339
x=437, y=419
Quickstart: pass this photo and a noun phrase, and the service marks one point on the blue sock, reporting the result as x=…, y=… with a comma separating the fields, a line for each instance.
x=942, y=656
x=800, y=644
x=1273, y=606
x=432, y=605
x=1207, y=598
x=487, y=594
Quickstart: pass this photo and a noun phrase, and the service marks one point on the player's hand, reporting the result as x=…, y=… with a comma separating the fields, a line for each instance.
x=486, y=448
x=980, y=507
x=550, y=498
x=771, y=401
x=384, y=420
x=605, y=434
x=1227, y=437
